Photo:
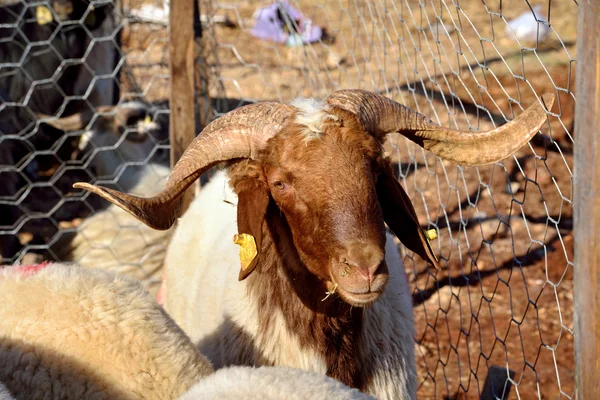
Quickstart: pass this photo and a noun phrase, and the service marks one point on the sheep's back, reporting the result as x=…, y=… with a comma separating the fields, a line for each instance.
x=86, y=333
x=270, y=383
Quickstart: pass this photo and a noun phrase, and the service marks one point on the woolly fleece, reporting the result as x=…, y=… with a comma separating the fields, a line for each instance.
x=270, y=383
x=71, y=333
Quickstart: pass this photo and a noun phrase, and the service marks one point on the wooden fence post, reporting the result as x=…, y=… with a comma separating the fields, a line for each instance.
x=586, y=285
x=182, y=54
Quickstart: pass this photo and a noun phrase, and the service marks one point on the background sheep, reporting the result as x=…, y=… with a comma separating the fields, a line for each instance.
x=84, y=333
x=54, y=43
x=38, y=53
x=112, y=239
x=314, y=191
x=270, y=383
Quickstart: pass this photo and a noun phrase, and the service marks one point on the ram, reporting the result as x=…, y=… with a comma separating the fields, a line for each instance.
x=323, y=287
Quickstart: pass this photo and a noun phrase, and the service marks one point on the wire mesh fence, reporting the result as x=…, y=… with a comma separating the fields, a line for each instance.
x=496, y=319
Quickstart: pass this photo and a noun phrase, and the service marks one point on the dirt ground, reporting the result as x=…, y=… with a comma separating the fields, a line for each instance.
x=504, y=296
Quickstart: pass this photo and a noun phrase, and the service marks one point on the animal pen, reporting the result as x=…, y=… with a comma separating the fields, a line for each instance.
x=498, y=320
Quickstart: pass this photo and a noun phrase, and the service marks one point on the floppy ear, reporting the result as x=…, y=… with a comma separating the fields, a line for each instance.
x=400, y=216
x=253, y=199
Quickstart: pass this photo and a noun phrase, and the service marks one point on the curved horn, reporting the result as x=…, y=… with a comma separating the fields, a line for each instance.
x=381, y=116
x=74, y=122
x=241, y=133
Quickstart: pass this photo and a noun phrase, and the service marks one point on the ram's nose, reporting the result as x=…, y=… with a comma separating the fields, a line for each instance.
x=364, y=258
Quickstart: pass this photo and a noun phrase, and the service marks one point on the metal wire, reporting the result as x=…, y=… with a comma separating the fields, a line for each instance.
x=498, y=318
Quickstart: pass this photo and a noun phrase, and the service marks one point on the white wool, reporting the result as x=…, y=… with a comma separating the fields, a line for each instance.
x=86, y=333
x=114, y=240
x=270, y=383
x=204, y=296
x=312, y=115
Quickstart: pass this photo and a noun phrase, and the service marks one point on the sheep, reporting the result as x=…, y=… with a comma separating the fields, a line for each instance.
x=112, y=239
x=322, y=288
x=270, y=383
x=34, y=51
x=52, y=42
x=115, y=135
x=194, y=304
x=87, y=333
x=73, y=333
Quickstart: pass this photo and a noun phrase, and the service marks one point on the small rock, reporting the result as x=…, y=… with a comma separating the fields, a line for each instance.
x=512, y=187
x=421, y=350
x=442, y=28
x=480, y=215
x=25, y=237
x=334, y=60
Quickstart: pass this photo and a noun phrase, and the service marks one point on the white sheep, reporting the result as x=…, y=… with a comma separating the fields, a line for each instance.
x=112, y=239
x=270, y=383
x=57, y=44
x=70, y=332
x=323, y=287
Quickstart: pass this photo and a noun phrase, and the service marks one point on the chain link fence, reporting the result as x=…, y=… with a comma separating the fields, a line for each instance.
x=495, y=322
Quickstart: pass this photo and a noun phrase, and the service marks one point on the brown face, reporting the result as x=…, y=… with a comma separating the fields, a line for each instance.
x=325, y=187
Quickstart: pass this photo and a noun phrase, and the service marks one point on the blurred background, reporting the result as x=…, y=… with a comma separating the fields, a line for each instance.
x=84, y=96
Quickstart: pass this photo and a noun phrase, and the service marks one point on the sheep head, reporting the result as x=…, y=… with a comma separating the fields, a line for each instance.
x=324, y=169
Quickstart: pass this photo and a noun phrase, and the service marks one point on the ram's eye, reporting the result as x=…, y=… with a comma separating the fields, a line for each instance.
x=279, y=185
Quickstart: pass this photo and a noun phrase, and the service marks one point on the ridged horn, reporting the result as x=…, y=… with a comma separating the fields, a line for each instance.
x=381, y=115
x=241, y=133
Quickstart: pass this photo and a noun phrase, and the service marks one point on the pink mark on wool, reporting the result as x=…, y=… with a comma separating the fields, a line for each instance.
x=32, y=269
x=161, y=296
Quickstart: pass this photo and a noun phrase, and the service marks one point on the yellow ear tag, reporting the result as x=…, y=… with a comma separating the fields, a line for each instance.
x=431, y=234
x=43, y=15
x=247, y=248
x=147, y=120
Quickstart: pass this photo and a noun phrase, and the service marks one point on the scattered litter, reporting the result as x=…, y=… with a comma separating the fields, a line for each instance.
x=512, y=187
x=282, y=23
x=525, y=26
x=160, y=15
x=151, y=13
